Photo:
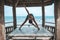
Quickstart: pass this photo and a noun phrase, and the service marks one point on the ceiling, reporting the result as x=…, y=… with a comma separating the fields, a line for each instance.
x=28, y=3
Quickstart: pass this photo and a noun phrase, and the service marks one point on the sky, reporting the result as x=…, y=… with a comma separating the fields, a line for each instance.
x=36, y=11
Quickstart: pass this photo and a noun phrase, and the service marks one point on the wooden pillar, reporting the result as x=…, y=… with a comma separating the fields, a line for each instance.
x=2, y=27
x=14, y=13
x=57, y=14
x=43, y=14
x=14, y=16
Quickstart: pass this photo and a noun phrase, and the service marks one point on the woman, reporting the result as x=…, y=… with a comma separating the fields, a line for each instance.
x=31, y=19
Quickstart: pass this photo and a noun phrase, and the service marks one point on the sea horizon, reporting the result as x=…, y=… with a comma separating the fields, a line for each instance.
x=20, y=19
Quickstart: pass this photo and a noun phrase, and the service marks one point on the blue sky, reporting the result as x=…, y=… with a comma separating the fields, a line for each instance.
x=36, y=11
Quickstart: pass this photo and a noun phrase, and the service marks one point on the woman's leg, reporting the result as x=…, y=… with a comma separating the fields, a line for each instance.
x=24, y=22
x=35, y=26
x=20, y=27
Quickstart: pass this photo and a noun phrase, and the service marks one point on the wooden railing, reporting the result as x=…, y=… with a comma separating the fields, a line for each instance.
x=50, y=22
x=48, y=27
x=8, y=22
x=51, y=29
x=9, y=29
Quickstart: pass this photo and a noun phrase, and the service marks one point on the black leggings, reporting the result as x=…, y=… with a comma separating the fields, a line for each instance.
x=30, y=21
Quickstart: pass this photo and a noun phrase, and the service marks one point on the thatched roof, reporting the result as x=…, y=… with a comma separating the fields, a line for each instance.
x=28, y=2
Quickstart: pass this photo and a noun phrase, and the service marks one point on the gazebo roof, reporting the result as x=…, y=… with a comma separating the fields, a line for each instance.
x=28, y=2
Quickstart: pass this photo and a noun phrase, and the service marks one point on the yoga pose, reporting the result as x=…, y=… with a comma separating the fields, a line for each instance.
x=31, y=19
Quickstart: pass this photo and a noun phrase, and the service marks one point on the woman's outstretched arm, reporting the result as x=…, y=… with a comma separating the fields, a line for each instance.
x=27, y=10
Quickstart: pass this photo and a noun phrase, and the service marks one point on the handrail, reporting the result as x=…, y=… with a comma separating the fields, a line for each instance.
x=31, y=25
x=45, y=22
x=50, y=22
x=28, y=24
x=8, y=22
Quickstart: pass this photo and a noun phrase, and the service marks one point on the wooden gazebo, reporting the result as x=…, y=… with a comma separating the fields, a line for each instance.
x=28, y=3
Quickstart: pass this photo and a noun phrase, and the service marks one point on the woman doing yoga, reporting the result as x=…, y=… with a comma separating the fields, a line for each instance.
x=31, y=19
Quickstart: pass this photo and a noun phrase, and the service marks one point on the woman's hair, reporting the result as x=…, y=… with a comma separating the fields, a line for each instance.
x=30, y=14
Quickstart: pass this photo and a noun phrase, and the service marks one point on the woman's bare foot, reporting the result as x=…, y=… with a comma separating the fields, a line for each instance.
x=19, y=28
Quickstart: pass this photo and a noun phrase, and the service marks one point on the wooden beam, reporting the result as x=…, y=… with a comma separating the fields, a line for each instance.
x=36, y=2
x=17, y=3
x=14, y=17
x=43, y=14
x=2, y=27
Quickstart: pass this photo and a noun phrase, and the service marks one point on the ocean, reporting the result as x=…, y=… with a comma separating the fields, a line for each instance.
x=20, y=20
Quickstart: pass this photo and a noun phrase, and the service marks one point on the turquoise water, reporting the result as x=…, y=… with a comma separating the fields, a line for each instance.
x=20, y=19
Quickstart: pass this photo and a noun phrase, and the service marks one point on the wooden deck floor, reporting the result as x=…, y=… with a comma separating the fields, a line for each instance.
x=30, y=31
x=25, y=30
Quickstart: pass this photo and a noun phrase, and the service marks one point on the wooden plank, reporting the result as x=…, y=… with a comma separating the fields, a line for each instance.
x=23, y=37
x=43, y=38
